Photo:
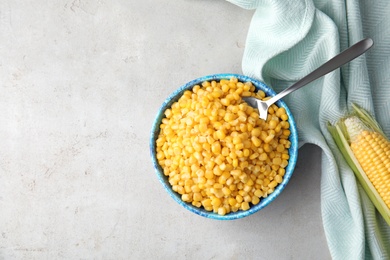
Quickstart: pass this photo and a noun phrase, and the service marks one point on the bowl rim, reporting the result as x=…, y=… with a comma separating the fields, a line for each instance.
x=293, y=150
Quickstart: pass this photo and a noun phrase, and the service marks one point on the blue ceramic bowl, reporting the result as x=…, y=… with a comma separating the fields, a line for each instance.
x=293, y=150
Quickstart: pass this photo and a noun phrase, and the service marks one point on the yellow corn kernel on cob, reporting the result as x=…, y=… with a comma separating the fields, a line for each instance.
x=366, y=149
x=372, y=150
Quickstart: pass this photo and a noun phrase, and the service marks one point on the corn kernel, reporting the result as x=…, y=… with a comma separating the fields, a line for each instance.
x=196, y=204
x=226, y=191
x=277, y=161
x=197, y=196
x=255, y=200
x=185, y=197
x=239, y=198
x=247, y=198
x=245, y=205
x=258, y=193
x=216, y=148
x=216, y=202
x=278, y=178
x=222, y=211
x=256, y=141
x=273, y=184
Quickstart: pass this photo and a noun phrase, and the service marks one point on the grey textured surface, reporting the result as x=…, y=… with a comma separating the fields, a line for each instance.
x=80, y=83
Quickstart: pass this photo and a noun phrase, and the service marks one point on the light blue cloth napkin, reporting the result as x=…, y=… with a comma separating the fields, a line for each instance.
x=287, y=40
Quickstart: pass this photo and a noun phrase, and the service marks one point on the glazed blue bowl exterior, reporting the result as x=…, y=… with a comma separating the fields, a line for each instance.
x=293, y=150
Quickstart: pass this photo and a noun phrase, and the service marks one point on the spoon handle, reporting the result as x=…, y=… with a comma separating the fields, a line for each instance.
x=337, y=61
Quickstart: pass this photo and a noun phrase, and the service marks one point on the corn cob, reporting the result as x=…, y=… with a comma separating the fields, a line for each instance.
x=367, y=151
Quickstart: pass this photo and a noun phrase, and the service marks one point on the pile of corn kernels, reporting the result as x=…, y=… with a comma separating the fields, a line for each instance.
x=216, y=151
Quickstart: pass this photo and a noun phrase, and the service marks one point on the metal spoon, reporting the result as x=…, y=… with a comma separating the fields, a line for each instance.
x=346, y=56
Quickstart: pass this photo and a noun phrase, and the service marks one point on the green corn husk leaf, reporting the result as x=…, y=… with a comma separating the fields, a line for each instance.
x=341, y=138
x=367, y=119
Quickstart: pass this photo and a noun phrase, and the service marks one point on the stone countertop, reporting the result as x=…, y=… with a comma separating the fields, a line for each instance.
x=81, y=82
